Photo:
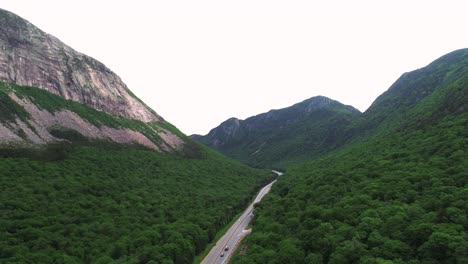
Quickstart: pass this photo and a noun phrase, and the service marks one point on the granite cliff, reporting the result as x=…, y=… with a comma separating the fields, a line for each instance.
x=46, y=86
x=31, y=57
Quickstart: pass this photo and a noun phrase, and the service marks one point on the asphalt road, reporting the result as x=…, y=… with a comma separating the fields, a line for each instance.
x=236, y=232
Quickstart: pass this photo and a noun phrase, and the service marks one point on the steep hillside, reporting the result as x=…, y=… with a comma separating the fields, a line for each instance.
x=89, y=174
x=436, y=80
x=31, y=57
x=396, y=195
x=296, y=133
x=281, y=138
x=31, y=116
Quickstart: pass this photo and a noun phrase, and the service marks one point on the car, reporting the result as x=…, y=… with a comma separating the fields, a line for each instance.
x=226, y=248
x=222, y=254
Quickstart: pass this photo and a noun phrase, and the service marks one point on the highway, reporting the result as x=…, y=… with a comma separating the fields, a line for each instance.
x=236, y=232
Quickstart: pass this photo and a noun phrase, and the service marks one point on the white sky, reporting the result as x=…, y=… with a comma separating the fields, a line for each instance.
x=198, y=63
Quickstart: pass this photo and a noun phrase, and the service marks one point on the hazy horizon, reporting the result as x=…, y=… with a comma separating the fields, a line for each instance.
x=198, y=64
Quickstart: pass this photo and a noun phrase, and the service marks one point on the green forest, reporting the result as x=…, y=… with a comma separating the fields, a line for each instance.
x=94, y=201
x=99, y=202
x=398, y=199
x=397, y=193
x=285, y=136
x=387, y=186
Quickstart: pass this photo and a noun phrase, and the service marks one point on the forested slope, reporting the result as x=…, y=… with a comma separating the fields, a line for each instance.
x=85, y=200
x=90, y=174
x=285, y=136
x=441, y=81
x=396, y=195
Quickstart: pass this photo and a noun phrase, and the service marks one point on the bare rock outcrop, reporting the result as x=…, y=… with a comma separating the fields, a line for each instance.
x=37, y=129
x=29, y=56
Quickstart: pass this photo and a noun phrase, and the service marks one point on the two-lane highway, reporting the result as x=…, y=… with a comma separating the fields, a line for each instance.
x=224, y=248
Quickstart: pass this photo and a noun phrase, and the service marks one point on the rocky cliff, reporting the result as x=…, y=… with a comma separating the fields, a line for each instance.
x=48, y=91
x=29, y=56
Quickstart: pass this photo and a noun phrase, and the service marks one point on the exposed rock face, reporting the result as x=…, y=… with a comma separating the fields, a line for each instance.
x=37, y=129
x=29, y=56
x=227, y=129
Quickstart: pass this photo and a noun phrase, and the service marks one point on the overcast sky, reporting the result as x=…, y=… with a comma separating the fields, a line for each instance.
x=198, y=63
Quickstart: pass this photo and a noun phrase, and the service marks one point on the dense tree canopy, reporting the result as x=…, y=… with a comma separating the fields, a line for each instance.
x=101, y=203
x=398, y=199
x=280, y=137
x=396, y=194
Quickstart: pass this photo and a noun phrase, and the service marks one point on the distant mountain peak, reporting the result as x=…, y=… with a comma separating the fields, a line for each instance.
x=320, y=102
x=232, y=120
x=253, y=140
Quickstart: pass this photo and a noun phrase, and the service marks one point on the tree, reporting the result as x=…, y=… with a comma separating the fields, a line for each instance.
x=290, y=253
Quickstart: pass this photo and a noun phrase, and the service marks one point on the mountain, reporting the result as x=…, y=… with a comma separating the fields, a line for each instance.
x=319, y=125
x=90, y=174
x=107, y=109
x=31, y=57
x=428, y=91
x=395, y=193
x=273, y=139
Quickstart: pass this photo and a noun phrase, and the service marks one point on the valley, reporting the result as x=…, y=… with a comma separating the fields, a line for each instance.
x=91, y=174
x=102, y=203
x=394, y=193
x=227, y=245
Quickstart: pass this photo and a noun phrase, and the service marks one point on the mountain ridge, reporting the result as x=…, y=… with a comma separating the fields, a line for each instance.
x=385, y=113
x=395, y=193
x=398, y=100
x=248, y=140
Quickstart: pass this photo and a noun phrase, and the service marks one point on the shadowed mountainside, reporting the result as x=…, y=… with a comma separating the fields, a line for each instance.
x=278, y=137
x=396, y=194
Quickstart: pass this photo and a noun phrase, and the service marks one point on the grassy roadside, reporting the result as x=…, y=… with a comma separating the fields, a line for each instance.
x=199, y=258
